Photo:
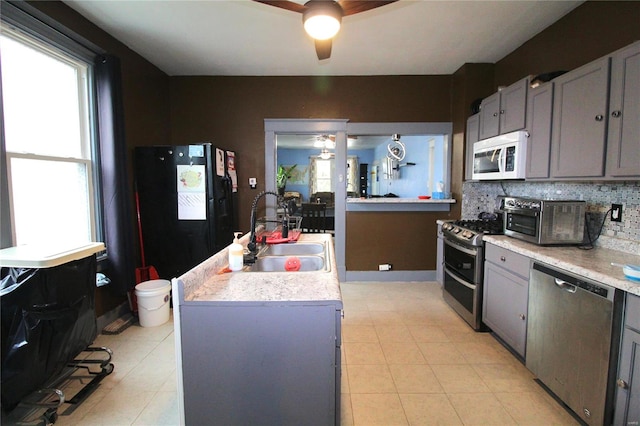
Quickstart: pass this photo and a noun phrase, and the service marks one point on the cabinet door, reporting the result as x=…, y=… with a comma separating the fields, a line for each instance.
x=627, y=411
x=623, y=143
x=539, y=112
x=490, y=116
x=513, y=106
x=504, y=306
x=473, y=131
x=579, y=121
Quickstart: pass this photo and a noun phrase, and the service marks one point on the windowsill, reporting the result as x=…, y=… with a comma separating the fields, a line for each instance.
x=394, y=200
x=399, y=204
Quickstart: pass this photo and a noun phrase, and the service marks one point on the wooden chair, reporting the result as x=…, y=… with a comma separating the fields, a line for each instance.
x=314, y=217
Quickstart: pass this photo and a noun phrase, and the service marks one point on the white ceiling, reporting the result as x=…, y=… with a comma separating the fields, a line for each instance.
x=245, y=38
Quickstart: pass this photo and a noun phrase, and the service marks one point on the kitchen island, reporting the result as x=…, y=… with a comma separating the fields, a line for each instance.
x=258, y=347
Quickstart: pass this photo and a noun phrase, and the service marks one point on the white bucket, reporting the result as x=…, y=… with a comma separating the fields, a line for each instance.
x=153, y=302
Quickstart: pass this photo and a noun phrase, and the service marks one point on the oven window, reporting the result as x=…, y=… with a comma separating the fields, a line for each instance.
x=460, y=292
x=460, y=262
x=524, y=224
x=487, y=161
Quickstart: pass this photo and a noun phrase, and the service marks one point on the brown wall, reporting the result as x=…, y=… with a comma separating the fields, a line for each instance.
x=590, y=31
x=406, y=240
x=230, y=111
x=145, y=98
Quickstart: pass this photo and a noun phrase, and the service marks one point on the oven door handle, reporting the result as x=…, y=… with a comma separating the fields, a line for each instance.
x=464, y=283
x=471, y=252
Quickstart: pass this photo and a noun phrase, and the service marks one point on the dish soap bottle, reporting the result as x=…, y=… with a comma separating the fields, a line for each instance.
x=236, y=253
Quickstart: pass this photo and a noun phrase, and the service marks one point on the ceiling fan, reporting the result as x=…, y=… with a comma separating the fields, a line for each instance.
x=321, y=15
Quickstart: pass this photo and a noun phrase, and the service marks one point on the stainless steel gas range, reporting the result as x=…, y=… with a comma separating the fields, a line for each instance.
x=464, y=265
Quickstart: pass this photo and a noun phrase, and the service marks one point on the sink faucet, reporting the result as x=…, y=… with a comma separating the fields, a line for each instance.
x=252, y=246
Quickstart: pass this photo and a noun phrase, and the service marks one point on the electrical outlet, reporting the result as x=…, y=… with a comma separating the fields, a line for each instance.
x=384, y=267
x=616, y=212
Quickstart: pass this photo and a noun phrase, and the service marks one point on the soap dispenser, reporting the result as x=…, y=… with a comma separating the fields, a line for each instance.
x=236, y=253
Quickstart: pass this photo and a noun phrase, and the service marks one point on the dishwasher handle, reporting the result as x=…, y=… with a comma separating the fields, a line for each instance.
x=565, y=285
x=571, y=283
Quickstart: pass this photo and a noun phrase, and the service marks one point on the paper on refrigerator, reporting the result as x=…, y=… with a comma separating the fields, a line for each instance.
x=192, y=192
x=231, y=169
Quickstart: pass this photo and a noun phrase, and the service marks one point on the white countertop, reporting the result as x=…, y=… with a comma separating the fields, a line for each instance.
x=205, y=283
x=594, y=264
x=46, y=255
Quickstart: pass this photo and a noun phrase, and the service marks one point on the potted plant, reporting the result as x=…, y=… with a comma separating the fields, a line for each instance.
x=283, y=174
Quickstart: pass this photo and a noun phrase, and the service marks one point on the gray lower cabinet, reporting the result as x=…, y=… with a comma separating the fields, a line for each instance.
x=506, y=296
x=580, y=121
x=623, y=141
x=627, y=410
x=270, y=363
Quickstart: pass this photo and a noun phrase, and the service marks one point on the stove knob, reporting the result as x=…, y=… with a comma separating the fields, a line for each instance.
x=456, y=230
x=467, y=234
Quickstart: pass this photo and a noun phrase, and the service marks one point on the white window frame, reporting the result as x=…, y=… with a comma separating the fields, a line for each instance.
x=88, y=140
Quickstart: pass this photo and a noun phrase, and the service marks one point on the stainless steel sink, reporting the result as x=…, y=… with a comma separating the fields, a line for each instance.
x=277, y=263
x=294, y=249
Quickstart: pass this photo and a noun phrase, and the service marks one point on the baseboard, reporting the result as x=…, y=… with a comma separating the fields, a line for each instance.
x=112, y=315
x=390, y=276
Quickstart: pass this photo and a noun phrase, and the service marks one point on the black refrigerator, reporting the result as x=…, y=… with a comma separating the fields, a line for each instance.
x=187, y=204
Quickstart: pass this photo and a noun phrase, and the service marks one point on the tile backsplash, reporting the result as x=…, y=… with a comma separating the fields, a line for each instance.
x=624, y=236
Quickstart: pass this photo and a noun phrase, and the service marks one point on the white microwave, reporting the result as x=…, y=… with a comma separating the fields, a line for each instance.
x=500, y=157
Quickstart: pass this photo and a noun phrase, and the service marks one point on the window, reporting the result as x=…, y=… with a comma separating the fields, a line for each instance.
x=323, y=181
x=50, y=146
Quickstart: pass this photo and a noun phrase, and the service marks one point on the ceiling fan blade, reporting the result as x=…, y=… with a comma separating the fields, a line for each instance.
x=323, y=48
x=284, y=4
x=351, y=7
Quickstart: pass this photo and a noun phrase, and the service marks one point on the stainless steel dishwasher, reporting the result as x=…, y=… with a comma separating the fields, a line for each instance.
x=573, y=336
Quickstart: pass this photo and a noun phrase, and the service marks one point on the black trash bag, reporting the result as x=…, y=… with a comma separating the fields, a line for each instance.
x=48, y=318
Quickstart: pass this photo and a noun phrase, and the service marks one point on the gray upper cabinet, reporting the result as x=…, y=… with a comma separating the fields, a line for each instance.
x=623, y=142
x=539, y=121
x=504, y=111
x=473, y=131
x=490, y=120
x=579, y=121
x=513, y=106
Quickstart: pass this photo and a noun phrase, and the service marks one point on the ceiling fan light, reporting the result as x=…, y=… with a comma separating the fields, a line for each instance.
x=322, y=19
x=325, y=154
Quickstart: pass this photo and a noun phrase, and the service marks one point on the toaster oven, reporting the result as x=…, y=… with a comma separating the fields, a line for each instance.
x=544, y=222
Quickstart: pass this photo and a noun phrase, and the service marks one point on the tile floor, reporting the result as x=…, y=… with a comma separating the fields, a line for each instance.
x=408, y=359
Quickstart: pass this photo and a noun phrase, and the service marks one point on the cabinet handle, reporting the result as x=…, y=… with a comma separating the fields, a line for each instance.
x=503, y=259
x=521, y=316
x=616, y=114
x=599, y=117
x=501, y=111
x=622, y=384
x=495, y=114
